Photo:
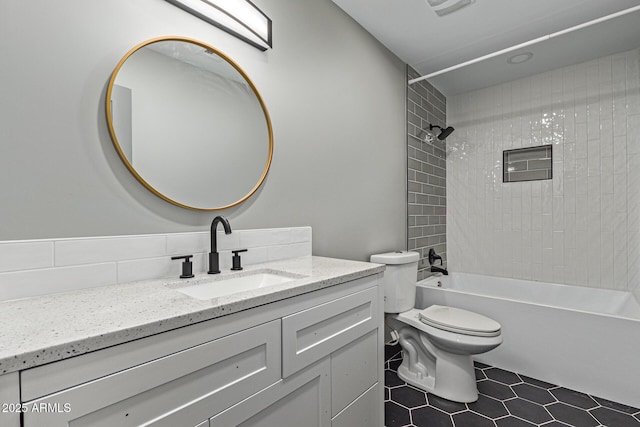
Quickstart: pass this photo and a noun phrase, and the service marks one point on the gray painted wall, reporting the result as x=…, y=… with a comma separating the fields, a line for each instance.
x=336, y=98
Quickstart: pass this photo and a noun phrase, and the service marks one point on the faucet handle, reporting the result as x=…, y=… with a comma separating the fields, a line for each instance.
x=433, y=257
x=187, y=266
x=236, y=259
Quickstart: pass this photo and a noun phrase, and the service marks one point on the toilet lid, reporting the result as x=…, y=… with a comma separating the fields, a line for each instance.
x=459, y=321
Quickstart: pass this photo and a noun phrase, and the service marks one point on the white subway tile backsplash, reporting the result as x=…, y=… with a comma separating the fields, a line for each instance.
x=258, y=238
x=21, y=255
x=229, y=242
x=294, y=250
x=30, y=268
x=188, y=243
x=224, y=261
x=255, y=255
x=300, y=234
x=200, y=263
x=94, y=250
x=27, y=283
x=584, y=223
x=148, y=268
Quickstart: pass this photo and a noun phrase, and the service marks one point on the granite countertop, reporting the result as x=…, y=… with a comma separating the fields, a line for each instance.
x=44, y=329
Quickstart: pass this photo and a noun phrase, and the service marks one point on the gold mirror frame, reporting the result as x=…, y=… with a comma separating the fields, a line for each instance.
x=122, y=154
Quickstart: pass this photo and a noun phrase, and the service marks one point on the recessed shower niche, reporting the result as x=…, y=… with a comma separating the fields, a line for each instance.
x=527, y=164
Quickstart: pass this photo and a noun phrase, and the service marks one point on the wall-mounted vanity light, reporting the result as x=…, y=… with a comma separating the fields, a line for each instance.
x=445, y=7
x=240, y=18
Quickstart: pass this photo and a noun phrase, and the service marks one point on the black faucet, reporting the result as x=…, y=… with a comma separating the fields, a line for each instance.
x=214, y=262
x=435, y=269
x=432, y=259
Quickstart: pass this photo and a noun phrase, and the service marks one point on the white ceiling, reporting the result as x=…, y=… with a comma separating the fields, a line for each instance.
x=416, y=34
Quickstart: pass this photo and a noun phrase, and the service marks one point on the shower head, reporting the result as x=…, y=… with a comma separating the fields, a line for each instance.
x=444, y=133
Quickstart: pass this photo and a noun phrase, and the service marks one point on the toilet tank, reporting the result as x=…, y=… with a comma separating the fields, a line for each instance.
x=399, y=280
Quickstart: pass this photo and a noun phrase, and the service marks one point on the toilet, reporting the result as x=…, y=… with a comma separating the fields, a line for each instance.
x=438, y=341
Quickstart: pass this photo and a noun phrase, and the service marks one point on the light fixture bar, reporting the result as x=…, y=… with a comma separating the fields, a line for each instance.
x=445, y=7
x=240, y=18
x=528, y=43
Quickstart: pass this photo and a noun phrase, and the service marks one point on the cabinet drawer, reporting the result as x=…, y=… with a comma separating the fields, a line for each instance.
x=312, y=334
x=184, y=388
x=302, y=399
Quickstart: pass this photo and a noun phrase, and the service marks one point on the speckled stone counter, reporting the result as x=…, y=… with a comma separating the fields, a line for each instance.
x=39, y=330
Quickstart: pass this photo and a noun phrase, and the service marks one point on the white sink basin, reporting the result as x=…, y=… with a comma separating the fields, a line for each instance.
x=216, y=288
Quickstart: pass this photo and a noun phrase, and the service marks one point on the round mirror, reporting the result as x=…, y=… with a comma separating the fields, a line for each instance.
x=189, y=123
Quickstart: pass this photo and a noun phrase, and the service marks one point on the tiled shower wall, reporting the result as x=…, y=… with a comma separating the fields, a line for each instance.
x=582, y=227
x=426, y=174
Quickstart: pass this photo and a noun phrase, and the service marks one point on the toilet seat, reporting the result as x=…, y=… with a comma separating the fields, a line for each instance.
x=459, y=321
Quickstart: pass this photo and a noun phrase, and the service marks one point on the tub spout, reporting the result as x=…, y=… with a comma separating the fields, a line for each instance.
x=433, y=257
x=435, y=269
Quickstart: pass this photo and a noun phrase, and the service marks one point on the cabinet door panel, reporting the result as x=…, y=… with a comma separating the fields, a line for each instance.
x=364, y=412
x=312, y=334
x=9, y=396
x=300, y=400
x=180, y=389
x=354, y=368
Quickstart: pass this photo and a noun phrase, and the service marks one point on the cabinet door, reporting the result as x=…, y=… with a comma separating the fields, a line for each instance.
x=354, y=369
x=312, y=334
x=300, y=400
x=363, y=412
x=9, y=400
x=181, y=389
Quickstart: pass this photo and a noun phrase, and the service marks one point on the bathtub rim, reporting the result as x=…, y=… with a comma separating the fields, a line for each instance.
x=424, y=283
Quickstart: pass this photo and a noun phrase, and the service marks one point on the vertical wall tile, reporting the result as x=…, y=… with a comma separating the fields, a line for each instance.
x=607, y=252
x=621, y=250
x=551, y=230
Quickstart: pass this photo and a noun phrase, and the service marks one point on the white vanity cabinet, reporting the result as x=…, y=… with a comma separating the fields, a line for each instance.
x=312, y=360
x=181, y=389
x=10, y=400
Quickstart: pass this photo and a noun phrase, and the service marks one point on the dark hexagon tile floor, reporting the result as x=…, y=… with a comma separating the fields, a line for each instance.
x=506, y=399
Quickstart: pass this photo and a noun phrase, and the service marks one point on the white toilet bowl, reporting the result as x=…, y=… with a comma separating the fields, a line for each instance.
x=437, y=342
x=439, y=361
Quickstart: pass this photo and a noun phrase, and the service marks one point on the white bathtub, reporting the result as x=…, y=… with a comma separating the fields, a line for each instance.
x=581, y=338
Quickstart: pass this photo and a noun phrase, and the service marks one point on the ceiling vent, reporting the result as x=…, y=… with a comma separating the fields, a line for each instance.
x=445, y=7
